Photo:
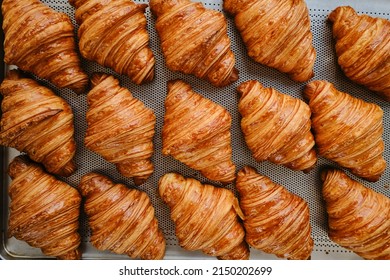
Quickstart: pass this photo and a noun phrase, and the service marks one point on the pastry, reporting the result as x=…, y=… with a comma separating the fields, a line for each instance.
x=196, y=131
x=276, y=126
x=120, y=128
x=194, y=40
x=206, y=217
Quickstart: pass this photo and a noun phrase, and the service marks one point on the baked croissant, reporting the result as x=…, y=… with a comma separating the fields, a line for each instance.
x=113, y=33
x=122, y=220
x=363, y=48
x=41, y=40
x=194, y=40
x=275, y=220
x=196, y=131
x=36, y=121
x=276, y=126
x=358, y=217
x=276, y=34
x=44, y=211
x=347, y=130
x=206, y=217
x=120, y=128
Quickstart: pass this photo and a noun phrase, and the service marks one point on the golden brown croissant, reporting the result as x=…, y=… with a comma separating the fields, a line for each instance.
x=275, y=220
x=41, y=40
x=206, y=217
x=277, y=34
x=44, y=211
x=36, y=121
x=113, y=33
x=347, y=130
x=363, y=48
x=194, y=40
x=120, y=128
x=122, y=220
x=196, y=132
x=276, y=126
x=359, y=218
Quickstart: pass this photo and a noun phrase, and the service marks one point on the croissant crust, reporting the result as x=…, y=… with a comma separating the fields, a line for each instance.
x=194, y=40
x=277, y=34
x=41, y=40
x=347, y=130
x=363, y=48
x=36, y=121
x=113, y=33
x=276, y=221
x=120, y=128
x=44, y=212
x=122, y=220
x=196, y=131
x=206, y=217
x=276, y=126
x=358, y=217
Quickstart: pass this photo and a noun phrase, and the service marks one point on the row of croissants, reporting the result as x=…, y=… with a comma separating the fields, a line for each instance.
x=193, y=40
x=45, y=214
x=196, y=131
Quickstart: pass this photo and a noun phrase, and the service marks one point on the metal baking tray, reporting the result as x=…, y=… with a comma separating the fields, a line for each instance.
x=153, y=94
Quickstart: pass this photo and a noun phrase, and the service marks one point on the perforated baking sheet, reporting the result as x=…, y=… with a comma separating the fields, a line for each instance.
x=153, y=94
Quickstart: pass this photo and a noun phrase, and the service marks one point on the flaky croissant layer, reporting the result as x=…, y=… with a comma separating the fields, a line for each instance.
x=41, y=40
x=277, y=34
x=363, y=48
x=358, y=217
x=122, y=220
x=120, y=128
x=276, y=126
x=276, y=221
x=194, y=40
x=206, y=217
x=113, y=33
x=196, y=132
x=36, y=121
x=44, y=212
x=347, y=130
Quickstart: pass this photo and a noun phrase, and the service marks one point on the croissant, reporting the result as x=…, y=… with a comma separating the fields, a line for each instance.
x=347, y=130
x=196, y=131
x=275, y=220
x=36, y=121
x=358, y=217
x=363, y=48
x=120, y=128
x=41, y=40
x=44, y=211
x=122, y=220
x=206, y=217
x=276, y=34
x=113, y=33
x=276, y=126
x=194, y=40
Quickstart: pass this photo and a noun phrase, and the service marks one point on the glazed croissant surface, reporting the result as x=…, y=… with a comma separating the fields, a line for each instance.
x=358, y=217
x=113, y=33
x=196, y=131
x=41, y=40
x=277, y=34
x=275, y=220
x=276, y=126
x=44, y=211
x=363, y=48
x=122, y=220
x=120, y=128
x=194, y=40
x=347, y=130
x=36, y=121
x=206, y=217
